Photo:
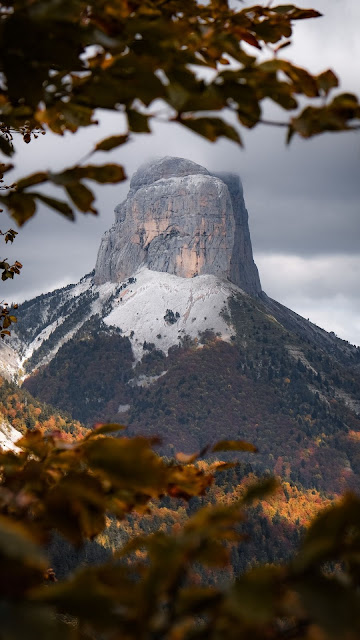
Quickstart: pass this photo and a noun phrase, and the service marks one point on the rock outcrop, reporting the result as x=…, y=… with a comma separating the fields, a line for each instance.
x=180, y=219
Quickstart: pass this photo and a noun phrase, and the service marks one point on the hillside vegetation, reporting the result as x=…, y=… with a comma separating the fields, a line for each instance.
x=296, y=402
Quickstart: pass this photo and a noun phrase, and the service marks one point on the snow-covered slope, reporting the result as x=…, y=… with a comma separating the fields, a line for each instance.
x=8, y=436
x=9, y=361
x=149, y=307
x=162, y=309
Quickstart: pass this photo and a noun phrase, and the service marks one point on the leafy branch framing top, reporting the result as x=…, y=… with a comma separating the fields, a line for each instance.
x=61, y=61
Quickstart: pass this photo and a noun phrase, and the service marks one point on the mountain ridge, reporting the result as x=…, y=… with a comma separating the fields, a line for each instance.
x=196, y=359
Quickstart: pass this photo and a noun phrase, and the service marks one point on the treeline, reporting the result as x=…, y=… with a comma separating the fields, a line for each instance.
x=24, y=412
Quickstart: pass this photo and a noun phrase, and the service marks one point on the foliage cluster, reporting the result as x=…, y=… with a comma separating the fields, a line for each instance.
x=8, y=271
x=62, y=61
x=147, y=590
x=274, y=526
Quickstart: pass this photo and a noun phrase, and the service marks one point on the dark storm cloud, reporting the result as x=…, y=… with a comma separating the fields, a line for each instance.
x=308, y=198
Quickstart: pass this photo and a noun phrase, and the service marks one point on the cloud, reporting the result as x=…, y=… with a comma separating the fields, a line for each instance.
x=324, y=289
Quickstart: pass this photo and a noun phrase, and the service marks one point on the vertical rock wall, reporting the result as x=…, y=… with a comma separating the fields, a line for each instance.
x=180, y=219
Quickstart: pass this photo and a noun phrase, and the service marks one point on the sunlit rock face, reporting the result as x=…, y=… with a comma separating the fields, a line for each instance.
x=180, y=219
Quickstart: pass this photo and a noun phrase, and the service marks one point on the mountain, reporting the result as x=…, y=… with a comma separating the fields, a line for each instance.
x=172, y=335
x=181, y=220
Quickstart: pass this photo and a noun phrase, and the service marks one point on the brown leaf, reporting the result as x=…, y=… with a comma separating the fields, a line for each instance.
x=234, y=445
x=81, y=196
x=111, y=143
x=212, y=128
x=29, y=181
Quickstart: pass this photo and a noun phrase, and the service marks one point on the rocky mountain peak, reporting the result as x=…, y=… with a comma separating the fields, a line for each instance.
x=180, y=219
x=163, y=168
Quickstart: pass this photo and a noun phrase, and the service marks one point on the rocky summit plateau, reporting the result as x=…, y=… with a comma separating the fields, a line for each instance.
x=172, y=335
x=180, y=219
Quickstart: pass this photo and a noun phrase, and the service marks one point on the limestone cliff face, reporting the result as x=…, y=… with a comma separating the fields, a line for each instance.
x=180, y=219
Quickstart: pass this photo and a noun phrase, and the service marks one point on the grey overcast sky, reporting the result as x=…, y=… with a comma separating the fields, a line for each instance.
x=303, y=201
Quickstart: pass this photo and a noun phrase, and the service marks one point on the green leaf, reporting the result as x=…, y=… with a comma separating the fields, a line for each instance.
x=111, y=143
x=138, y=122
x=212, y=128
x=234, y=445
x=208, y=98
x=81, y=196
x=303, y=81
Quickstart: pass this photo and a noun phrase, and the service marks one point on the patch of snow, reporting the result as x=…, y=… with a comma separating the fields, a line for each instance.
x=145, y=381
x=350, y=402
x=39, y=338
x=9, y=362
x=190, y=182
x=144, y=304
x=321, y=396
x=123, y=408
x=297, y=354
x=104, y=292
x=8, y=436
x=80, y=288
x=62, y=341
